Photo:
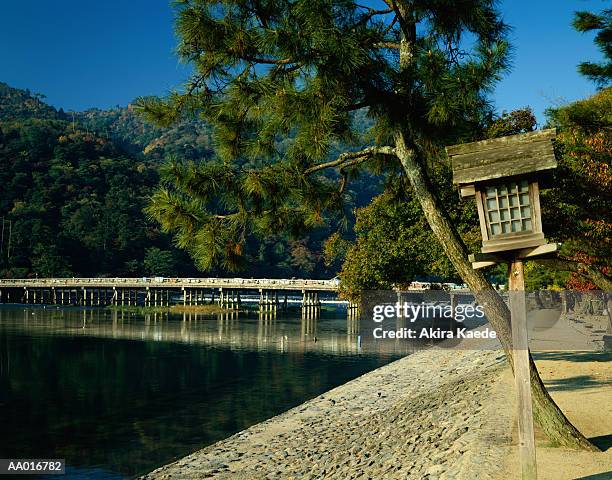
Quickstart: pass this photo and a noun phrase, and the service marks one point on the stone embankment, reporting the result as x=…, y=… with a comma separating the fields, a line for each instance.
x=437, y=414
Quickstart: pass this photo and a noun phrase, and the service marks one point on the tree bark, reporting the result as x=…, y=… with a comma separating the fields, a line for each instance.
x=546, y=412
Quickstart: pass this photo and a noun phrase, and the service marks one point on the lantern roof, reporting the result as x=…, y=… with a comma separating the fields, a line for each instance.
x=510, y=156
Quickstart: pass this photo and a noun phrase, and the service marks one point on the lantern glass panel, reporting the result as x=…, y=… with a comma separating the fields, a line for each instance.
x=508, y=208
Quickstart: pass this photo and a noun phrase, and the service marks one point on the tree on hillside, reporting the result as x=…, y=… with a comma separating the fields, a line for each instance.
x=159, y=262
x=265, y=71
x=599, y=73
x=394, y=244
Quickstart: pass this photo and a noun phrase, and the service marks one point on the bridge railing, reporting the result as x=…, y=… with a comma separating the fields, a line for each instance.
x=172, y=281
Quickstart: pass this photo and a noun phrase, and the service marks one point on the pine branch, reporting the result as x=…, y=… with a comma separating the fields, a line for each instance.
x=372, y=13
x=349, y=159
x=390, y=45
x=268, y=61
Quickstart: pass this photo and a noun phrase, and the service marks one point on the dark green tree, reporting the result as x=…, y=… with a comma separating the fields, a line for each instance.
x=47, y=262
x=159, y=262
x=599, y=73
x=268, y=72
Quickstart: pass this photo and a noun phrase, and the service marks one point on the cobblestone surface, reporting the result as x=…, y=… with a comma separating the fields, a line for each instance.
x=437, y=414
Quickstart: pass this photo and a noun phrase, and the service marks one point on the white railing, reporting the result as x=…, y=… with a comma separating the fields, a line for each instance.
x=247, y=283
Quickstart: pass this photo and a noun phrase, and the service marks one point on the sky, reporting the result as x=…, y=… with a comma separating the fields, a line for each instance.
x=90, y=53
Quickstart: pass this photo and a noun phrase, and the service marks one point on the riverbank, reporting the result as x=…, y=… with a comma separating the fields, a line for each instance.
x=436, y=414
x=433, y=414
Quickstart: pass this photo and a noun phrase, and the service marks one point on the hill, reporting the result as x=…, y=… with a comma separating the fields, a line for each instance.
x=17, y=104
x=72, y=200
x=189, y=140
x=75, y=185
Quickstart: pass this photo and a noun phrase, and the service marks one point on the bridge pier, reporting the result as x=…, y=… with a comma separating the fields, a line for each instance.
x=311, y=306
x=196, y=296
x=236, y=300
x=268, y=301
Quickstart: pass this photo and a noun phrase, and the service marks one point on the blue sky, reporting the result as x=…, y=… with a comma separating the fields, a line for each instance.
x=83, y=54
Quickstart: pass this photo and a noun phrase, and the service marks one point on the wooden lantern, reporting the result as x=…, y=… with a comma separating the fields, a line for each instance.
x=502, y=174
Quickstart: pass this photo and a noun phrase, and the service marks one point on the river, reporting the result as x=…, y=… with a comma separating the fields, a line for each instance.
x=118, y=393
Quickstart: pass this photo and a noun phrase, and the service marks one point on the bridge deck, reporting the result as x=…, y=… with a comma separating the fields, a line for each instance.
x=159, y=282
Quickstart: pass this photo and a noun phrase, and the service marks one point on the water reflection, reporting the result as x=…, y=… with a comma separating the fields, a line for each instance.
x=328, y=333
x=118, y=393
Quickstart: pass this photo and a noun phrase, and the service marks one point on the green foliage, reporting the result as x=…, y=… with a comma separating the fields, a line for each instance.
x=208, y=207
x=48, y=262
x=71, y=201
x=538, y=277
x=599, y=73
x=16, y=104
x=517, y=121
x=335, y=249
x=75, y=191
x=159, y=263
x=189, y=139
x=577, y=209
x=395, y=245
x=279, y=82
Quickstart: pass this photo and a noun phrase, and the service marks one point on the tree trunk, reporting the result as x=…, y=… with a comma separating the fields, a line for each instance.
x=546, y=412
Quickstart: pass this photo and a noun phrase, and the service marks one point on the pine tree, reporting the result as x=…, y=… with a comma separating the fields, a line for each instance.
x=280, y=82
x=599, y=73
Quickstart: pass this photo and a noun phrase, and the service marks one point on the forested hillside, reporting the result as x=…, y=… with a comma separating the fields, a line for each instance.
x=74, y=186
x=190, y=140
x=16, y=104
x=71, y=201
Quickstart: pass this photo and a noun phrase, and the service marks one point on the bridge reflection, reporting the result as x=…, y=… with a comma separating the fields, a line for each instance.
x=263, y=331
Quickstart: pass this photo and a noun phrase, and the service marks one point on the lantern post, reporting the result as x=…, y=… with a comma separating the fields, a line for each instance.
x=502, y=174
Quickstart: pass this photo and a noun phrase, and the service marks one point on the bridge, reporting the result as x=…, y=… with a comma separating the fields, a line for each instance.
x=228, y=293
